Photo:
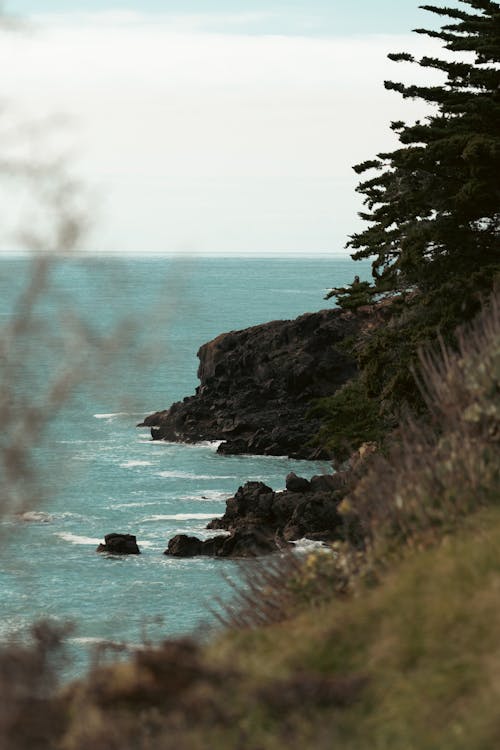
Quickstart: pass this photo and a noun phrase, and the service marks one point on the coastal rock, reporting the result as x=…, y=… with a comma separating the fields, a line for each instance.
x=327, y=482
x=315, y=517
x=256, y=386
x=294, y=483
x=261, y=521
x=119, y=544
x=183, y=545
x=255, y=504
x=247, y=542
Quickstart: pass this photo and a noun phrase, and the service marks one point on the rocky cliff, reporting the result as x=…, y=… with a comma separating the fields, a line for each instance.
x=256, y=386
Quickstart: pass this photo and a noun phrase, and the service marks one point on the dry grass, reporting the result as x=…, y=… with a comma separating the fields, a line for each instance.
x=270, y=591
x=30, y=714
x=432, y=476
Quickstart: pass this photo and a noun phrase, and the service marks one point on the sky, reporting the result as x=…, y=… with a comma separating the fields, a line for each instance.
x=208, y=126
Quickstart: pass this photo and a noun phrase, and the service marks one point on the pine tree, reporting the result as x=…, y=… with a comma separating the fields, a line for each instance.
x=434, y=203
x=433, y=209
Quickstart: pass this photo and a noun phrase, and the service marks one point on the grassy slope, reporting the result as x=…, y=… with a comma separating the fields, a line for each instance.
x=427, y=640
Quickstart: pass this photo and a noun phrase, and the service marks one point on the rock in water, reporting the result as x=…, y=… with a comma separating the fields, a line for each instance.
x=247, y=542
x=120, y=544
x=183, y=545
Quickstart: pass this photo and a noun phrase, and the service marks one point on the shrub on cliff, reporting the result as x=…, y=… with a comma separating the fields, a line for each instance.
x=349, y=418
x=436, y=474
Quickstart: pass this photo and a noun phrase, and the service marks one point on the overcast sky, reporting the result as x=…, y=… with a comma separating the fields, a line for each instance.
x=214, y=126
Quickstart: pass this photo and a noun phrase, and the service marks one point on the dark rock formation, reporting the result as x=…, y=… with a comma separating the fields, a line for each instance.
x=183, y=545
x=297, y=484
x=327, y=482
x=261, y=521
x=287, y=515
x=119, y=544
x=247, y=542
x=256, y=386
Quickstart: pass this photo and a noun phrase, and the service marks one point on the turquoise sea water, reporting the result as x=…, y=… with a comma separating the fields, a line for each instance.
x=97, y=472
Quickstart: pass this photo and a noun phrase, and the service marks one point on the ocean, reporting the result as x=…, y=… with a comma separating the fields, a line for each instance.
x=127, y=332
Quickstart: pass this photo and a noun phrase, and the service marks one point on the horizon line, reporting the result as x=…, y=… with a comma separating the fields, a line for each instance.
x=180, y=255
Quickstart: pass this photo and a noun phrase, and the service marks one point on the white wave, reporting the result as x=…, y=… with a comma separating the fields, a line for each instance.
x=112, y=415
x=34, y=516
x=309, y=545
x=181, y=517
x=120, y=506
x=75, y=539
x=186, y=475
x=211, y=444
x=79, y=518
x=133, y=464
x=89, y=641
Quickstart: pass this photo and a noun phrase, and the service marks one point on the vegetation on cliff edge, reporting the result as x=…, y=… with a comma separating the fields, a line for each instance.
x=433, y=212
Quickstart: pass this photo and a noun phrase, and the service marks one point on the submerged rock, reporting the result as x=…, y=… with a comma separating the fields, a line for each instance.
x=119, y=544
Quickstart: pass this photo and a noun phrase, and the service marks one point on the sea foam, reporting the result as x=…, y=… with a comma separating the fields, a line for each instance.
x=115, y=414
x=35, y=516
x=187, y=475
x=180, y=517
x=133, y=464
x=77, y=539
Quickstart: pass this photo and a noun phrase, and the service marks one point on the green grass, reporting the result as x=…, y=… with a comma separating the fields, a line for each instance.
x=427, y=639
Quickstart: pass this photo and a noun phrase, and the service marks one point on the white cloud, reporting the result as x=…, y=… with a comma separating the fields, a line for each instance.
x=207, y=141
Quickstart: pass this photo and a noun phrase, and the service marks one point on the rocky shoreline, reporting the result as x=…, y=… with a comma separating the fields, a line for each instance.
x=261, y=521
x=256, y=390
x=257, y=386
